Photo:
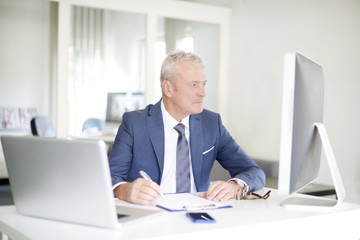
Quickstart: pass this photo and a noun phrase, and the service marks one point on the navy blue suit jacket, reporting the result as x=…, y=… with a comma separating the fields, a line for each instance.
x=139, y=145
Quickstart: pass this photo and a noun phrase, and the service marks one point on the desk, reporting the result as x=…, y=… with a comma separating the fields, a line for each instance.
x=3, y=170
x=251, y=219
x=107, y=138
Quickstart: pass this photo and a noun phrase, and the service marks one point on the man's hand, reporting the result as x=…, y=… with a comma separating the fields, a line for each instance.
x=140, y=191
x=221, y=191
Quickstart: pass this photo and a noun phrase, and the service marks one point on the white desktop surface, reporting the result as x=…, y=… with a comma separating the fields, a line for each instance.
x=248, y=219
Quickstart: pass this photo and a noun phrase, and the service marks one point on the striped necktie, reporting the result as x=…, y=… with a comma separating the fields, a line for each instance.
x=182, y=161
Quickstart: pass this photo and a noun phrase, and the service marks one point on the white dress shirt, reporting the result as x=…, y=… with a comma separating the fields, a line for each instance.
x=168, y=179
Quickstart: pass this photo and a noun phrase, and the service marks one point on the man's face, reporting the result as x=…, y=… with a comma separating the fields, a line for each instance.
x=188, y=91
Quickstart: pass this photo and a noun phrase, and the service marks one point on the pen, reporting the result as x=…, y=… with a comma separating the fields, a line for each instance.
x=202, y=216
x=147, y=177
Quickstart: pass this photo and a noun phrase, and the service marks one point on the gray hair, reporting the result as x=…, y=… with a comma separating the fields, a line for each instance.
x=174, y=58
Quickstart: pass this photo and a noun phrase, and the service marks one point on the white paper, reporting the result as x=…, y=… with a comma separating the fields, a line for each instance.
x=187, y=202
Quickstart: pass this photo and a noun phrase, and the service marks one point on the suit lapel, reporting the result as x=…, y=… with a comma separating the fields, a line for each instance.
x=196, y=145
x=155, y=127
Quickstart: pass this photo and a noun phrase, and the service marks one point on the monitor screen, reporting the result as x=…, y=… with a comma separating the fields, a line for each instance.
x=302, y=131
x=120, y=102
x=300, y=147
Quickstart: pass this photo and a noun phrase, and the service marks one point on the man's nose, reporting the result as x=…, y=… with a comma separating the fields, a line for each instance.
x=202, y=91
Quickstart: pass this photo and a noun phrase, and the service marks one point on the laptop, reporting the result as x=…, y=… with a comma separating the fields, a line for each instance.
x=65, y=180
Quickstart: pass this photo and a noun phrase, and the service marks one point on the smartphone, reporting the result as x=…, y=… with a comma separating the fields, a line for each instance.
x=200, y=217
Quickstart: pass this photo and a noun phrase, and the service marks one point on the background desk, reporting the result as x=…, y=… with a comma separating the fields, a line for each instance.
x=251, y=219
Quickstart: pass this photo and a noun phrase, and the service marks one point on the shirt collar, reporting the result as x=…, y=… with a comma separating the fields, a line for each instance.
x=169, y=120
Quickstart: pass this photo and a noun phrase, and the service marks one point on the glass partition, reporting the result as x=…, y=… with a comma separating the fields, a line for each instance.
x=107, y=55
x=200, y=38
x=106, y=46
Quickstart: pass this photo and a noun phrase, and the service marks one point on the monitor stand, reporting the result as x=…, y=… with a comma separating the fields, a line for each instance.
x=319, y=202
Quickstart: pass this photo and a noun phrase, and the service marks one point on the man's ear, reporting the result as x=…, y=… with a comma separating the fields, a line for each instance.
x=167, y=88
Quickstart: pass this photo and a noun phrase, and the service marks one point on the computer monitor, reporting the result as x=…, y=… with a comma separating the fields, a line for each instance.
x=120, y=102
x=303, y=133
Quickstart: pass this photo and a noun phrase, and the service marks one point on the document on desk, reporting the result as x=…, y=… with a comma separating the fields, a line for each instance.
x=187, y=202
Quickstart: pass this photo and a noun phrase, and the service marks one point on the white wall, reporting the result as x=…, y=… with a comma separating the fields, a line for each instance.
x=24, y=54
x=327, y=32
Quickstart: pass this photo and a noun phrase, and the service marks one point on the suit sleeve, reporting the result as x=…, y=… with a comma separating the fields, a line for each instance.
x=122, y=151
x=237, y=162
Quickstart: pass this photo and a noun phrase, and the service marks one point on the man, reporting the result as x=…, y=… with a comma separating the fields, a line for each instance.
x=147, y=140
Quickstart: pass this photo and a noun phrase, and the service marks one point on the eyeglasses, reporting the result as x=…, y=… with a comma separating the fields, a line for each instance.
x=253, y=196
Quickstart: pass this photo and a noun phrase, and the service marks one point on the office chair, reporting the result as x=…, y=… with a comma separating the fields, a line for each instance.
x=92, y=126
x=41, y=126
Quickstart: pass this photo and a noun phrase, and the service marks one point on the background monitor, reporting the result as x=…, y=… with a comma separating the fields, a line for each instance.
x=120, y=102
x=303, y=133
